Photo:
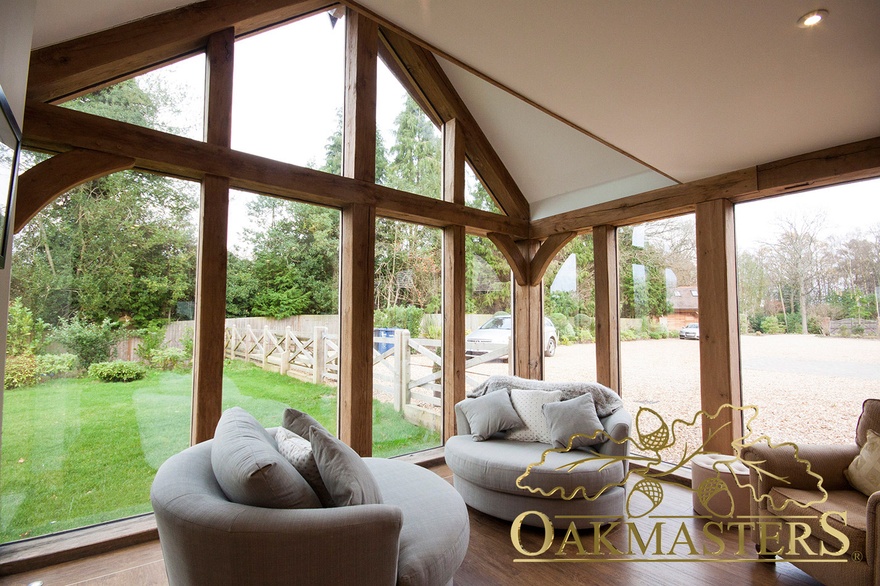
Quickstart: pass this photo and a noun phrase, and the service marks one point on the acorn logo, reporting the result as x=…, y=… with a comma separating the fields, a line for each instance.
x=714, y=494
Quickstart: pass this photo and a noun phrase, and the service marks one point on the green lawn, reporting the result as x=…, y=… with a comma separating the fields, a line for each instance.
x=77, y=452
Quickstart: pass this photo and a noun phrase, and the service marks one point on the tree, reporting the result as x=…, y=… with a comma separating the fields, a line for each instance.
x=793, y=258
x=119, y=247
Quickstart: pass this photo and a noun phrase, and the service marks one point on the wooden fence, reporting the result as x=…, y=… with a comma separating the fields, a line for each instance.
x=408, y=369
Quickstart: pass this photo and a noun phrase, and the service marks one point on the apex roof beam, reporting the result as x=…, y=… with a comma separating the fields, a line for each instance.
x=56, y=129
x=424, y=70
x=80, y=65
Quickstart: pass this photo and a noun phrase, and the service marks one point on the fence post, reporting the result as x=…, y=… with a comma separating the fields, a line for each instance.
x=285, y=356
x=319, y=354
x=401, y=360
x=265, y=347
x=232, y=342
x=510, y=361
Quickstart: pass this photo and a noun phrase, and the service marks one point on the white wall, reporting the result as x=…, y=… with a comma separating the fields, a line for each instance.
x=16, y=31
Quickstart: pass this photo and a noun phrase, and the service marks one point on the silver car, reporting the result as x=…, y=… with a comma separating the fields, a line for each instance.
x=497, y=331
x=690, y=332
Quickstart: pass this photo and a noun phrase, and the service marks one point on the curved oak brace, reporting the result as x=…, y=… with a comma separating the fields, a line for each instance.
x=42, y=184
x=511, y=251
x=548, y=251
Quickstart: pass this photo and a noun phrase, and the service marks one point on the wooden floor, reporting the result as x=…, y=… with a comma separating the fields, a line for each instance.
x=490, y=560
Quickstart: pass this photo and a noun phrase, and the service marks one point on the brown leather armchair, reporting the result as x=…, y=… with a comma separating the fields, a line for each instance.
x=797, y=521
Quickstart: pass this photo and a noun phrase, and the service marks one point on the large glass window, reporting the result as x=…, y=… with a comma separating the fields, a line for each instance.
x=488, y=320
x=98, y=379
x=170, y=99
x=808, y=271
x=288, y=93
x=282, y=309
x=570, y=313
x=659, y=317
x=407, y=355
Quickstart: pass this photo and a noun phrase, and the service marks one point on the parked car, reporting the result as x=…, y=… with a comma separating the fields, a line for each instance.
x=689, y=332
x=497, y=331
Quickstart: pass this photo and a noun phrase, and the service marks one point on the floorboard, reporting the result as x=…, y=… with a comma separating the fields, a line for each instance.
x=490, y=559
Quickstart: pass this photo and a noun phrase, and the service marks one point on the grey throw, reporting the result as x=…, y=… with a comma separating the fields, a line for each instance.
x=606, y=400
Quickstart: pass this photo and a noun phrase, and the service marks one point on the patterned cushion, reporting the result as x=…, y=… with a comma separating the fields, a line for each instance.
x=529, y=406
x=298, y=452
x=864, y=471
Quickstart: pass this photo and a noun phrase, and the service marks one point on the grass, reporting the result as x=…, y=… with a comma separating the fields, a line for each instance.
x=76, y=452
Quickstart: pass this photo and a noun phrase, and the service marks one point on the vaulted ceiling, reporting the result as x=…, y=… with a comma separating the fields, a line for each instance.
x=589, y=101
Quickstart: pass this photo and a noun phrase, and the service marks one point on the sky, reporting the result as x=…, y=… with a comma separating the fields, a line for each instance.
x=289, y=86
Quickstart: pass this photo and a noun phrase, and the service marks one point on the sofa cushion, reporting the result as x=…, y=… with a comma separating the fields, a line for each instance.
x=249, y=468
x=298, y=422
x=864, y=471
x=529, y=406
x=574, y=421
x=298, y=451
x=852, y=502
x=496, y=465
x=489, y=414
x=435, y=533
x=345, y=475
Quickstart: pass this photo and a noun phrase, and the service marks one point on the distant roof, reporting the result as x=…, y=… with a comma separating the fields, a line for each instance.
x=685, y=298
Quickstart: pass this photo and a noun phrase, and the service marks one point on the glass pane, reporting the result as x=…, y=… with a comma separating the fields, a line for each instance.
x=105, y=273
x=570, y=308
x=476, y=194
x=171, y=99
x=288, y=93
x=407, y=349
x=408, y=146
x=488, y=311
x=808, y=272
x=282, y=309
x=659, y=351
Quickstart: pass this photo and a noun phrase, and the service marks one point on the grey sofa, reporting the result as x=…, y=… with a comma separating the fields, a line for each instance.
x=486, y=472
x=418, y=536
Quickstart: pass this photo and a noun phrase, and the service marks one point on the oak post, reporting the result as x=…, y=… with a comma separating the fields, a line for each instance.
x=607, y=325
x=454, y=285
x=358, y=264
x=719, y=323
x=528, y=320
x=211, y=270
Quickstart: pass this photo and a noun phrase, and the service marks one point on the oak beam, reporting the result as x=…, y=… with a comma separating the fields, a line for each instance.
x=454, y=283
x=43, y=183
x=74, y=67
x=212, y=254
x=719, y=324
x=528, y=323
x=55, y=129
x=439, y=92
x=511, y=251
x=356, y=327
x=607, y=324
x=359, y=146
x=545, y=255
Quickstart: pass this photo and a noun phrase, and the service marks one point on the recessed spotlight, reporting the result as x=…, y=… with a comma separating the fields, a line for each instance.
x=811, y=19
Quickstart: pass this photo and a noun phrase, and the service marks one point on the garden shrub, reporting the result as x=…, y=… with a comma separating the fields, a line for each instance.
x=771, y=325
x=51, y=365
x=188, y=342
x=118, y=371
x=21, y=371
x=91, y=342
x=152, y=340
x=407, y=317
x=169, y=358
x=628, y=335
x=24, y=334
